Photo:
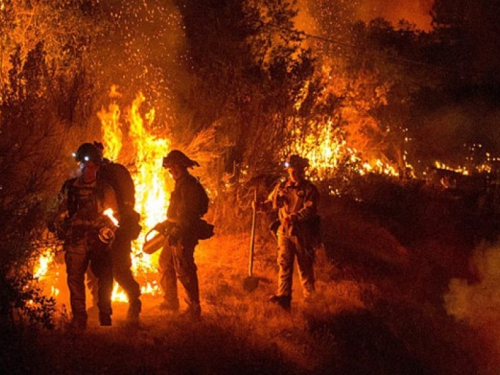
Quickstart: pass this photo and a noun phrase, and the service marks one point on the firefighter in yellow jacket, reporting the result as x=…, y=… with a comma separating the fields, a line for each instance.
x=296, y=200
x=87, y=233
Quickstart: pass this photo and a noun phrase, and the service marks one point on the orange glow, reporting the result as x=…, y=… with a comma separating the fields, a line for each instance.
x=44, y=262
x=327, y=151
x=112, y=135
x=46, y=271
x=143, y=157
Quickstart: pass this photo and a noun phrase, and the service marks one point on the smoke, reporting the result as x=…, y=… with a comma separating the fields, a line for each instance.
x=478, y=304
x=416, y=12
x=339, y=11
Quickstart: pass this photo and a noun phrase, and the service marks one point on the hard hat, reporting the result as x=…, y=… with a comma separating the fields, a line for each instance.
x=296, y=161
x=87, y=152
x=176, y=157
x=99, y=146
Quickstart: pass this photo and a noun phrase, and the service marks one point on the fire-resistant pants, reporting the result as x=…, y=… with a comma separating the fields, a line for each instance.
x=176, y=262
x=79, y=254
x=121, y=248
x=289, y=248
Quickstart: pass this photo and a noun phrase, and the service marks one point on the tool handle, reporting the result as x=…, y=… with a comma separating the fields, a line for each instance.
x=252, y=234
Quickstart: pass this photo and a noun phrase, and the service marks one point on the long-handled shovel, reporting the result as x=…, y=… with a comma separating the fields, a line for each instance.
x=250, y=283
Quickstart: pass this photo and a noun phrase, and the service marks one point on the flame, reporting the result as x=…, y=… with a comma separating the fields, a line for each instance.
x=112, y=135
x=143, y=157
x=43, y=265
x=46, y=271
x=327, y=151
x=150, y=181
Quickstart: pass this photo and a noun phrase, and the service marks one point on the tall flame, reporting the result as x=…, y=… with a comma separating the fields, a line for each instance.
x=112, y=134
x=143, y=157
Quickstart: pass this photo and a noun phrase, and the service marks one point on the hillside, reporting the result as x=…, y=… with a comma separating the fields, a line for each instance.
x=384, y=305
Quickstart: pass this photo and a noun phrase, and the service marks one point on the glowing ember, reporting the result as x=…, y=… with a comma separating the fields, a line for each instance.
x=461, y=170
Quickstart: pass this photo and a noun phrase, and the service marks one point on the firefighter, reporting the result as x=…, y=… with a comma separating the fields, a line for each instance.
x=297, y=230
x=119, y=178
x=188, y=204
x=87, y=234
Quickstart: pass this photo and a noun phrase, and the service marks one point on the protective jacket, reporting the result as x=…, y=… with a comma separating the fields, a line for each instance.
x=81, y=208
x=82, y=205
x=188, y=204
x=300, y=200
x=298, y=234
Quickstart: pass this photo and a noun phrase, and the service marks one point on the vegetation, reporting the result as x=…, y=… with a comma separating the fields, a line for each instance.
x=381, y=280
x=242, y=84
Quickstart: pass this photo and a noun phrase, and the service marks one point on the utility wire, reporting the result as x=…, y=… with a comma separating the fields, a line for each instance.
x=352, y=46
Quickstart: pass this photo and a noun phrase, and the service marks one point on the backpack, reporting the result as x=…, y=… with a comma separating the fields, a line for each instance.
x=203, y=209
x=121, y=181
x=204, y=229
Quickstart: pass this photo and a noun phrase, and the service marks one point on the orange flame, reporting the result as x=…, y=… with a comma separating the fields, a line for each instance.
x=327, y=149
x=143, y=157
x=148, y=175
x=44, y=261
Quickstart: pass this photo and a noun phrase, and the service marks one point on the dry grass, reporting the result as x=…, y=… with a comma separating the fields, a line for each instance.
x=373, y=315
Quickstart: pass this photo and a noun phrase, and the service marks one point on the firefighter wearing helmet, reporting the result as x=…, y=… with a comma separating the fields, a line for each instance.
x=188, y=204
x=297, y=230
x=119, y=178
x=87, y=232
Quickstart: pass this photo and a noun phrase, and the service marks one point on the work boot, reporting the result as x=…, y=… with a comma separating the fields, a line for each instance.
x=134, y=309
x=105, y=319
x=285, y=302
